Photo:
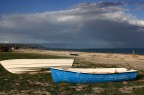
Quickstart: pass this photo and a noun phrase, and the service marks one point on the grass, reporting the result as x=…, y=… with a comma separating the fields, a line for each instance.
x=12, y=55
x=42, y=83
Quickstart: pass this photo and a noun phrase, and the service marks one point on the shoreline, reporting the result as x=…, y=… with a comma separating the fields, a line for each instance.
x=128, y=60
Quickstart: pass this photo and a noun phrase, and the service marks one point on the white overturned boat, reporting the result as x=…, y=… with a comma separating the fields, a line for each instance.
x=34, y=65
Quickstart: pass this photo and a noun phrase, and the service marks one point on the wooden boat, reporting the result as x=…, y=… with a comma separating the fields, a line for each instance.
x=91, y=75
x=33, y=65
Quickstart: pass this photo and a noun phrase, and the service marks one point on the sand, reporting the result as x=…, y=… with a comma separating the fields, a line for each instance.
x=126, y=60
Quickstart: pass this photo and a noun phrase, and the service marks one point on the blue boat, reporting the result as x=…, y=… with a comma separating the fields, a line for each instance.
x=89, y=75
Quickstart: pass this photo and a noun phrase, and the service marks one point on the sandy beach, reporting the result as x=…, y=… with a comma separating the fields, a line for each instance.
x=121, y=60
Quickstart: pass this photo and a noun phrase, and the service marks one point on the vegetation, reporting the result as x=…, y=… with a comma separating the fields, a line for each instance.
x=42, y=83
x=5, y=48
x=8, y=47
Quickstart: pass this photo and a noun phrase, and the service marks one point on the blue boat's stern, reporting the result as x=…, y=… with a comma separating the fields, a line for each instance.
x=54, y=75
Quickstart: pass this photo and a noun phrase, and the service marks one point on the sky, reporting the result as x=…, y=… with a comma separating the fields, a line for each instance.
x=73, y=23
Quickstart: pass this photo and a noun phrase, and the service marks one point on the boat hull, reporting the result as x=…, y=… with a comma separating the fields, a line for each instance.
x=75, y=77
x=19, y=66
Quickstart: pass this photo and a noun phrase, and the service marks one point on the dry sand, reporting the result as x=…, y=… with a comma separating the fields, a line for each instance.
x=126, y=60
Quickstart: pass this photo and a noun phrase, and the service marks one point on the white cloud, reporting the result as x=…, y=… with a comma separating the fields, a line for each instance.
x=66, y=18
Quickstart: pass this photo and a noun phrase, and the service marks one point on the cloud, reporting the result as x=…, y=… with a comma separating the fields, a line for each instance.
x=86, y=25
x=100, y=4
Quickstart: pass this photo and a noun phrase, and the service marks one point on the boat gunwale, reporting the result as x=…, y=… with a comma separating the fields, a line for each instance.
x=38, y=59
x=134, y=71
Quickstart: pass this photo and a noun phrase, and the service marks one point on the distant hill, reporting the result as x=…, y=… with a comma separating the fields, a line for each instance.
x=7, y=47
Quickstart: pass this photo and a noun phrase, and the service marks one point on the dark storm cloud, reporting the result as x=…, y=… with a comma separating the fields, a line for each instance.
x=99, y=4
x=101, y=24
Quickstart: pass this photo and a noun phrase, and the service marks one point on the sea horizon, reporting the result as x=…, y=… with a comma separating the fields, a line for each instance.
x=63, y=48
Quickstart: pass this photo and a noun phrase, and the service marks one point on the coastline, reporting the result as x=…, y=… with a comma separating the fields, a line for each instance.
x=124, y=60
